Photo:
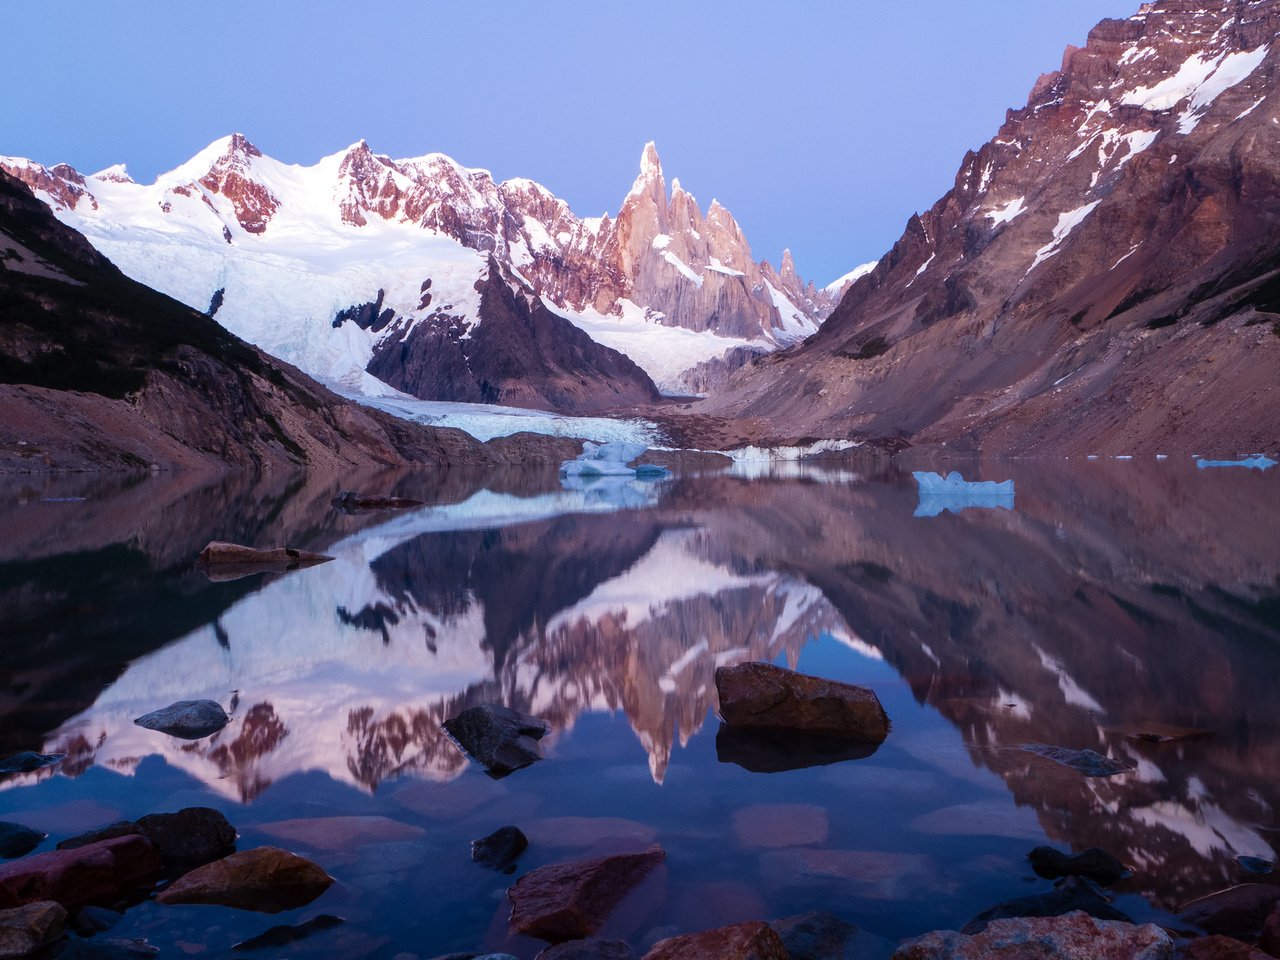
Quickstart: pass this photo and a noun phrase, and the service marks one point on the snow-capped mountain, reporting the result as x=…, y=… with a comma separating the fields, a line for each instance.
x=359, y=267
x=1099, y=279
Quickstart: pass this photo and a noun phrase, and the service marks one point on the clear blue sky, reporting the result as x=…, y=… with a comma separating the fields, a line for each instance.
x=822, y=124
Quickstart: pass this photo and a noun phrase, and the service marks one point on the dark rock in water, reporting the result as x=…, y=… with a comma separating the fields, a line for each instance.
x=1219, y=947
x=284, y=935
x=501, y=739
x=1094, y=863
x=100, y=873
x=24, y=930
x=1255, y=865
x=776, y=751
x=27, y=761
x=189, y=838
x=1239, y=911
x=570, y=901
x=752, y=940
x=231, y=561
x=351, y=502
x=499, y=850
x=17, y=840
x=816, y=936
x=114, y=949
x=1088, y=762
x=121, y=828
x=186, y=719
x=1075, y=936
x=265, y=879
x=760, y=695
x=1071, y=894
x=587, y=950
x=88, y=921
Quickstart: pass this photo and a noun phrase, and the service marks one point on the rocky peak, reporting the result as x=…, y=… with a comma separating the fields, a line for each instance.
x=232, y=176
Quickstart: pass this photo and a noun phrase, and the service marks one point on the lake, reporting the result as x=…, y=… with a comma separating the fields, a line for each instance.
x=1127, y=607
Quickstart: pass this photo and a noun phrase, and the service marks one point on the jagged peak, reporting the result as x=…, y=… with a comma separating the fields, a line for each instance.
x=650, y=162
x=223, y=151
x=116, y=173
x=650, y=181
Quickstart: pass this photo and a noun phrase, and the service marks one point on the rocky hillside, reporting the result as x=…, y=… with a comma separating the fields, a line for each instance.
x=1102, y=278
x=323, y=266
x=100, y=372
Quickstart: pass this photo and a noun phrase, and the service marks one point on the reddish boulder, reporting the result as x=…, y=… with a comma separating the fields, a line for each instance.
x=230, y=561
x=742, y=941
x=1238, y=911
x=760, y=695
x=24, y=930
x=265, y=879
x=1222, y=948
x=99, y=873
x=1076, y=936
x=570, y=901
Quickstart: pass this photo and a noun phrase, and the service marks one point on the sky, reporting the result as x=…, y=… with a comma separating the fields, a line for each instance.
x=821, y=124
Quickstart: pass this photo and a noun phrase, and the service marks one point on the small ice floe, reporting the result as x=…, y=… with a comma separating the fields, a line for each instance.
x=1162, y=456
x=953, y=492
x=610, y=460
x=1256, y=462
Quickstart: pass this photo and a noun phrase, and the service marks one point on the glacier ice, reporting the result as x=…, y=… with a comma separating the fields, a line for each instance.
x=953, y=492
x=1256, y=462
x=610, y=460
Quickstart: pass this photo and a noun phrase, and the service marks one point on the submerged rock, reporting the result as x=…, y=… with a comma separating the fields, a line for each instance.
x=284, y=935
x=752, y=940
x=27, y=761
x=570, y=901
x=1088, y=762
x=186, y=719
x=499, y=850
x=760, y=695
x=1075, y=936
x=351, y=502
x=265, y=879
x=25, y=929
x=100, y=873
x=1219, y=947
x=816, y=936
x=1239, y=911
x=231, y=561
x=587, y=950
x=1094, y=863
x=499, y=738
x=1072, y=895
x=17, y=840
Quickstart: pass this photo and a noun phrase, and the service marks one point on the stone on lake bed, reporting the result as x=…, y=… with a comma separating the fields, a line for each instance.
x=1219, y=947
x=499, y=850
x=1075, y=936
x=753, y=940
x=28, y=761
x=773, y=825
x=189, y=838
x=571, y=901
x=100, y=873
x=761, y=695
x=284, y=935
x=502, y=740
x=1094, y=863
x=1088, y=762
x=17, y=840
x=341, y=833
x=186, y=719
x=25, y=929
x=1240, y=911
x=264, y=879
x=1072, y=895
x=823, y=936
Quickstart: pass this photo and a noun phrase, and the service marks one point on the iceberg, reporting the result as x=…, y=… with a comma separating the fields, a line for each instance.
x=610, y=460
x=953, y=492
x=1256, y=462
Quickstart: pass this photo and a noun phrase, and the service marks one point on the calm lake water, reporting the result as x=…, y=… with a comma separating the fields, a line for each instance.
x=1114, y=598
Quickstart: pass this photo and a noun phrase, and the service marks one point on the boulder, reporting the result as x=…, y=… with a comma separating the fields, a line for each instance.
x=1270, y=940
x=1088, y=762
x=189, y=838
x=351, y=502
x=88, y=921
x=112, y=949
x=760, y=695
x=121, y=828
x=1219, y=947
x=17, y=840
x=265, y=879
x=27, y=761
x=1075, y=936
x=100, y=873
x=587, y=950
x=231, y=561
x=816, y=936
x=570, y=901
x=501, y=739
x=284, y=935
x=1072, y=895
x=499, y=850
x=1239, y=911
x=1094, y=863
x=25, y=929
x=186, y=719
x=753, y=940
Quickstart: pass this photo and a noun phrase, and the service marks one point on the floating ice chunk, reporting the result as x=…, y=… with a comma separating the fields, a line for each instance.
x=610, y=460
x=953, y=492
x=1256, y=462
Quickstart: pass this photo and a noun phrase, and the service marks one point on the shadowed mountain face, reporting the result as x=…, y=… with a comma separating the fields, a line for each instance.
x=1100, y=279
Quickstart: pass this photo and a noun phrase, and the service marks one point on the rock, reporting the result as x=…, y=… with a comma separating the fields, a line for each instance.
x=121, y=828
x=114, y=949
x=772, y=825
x=88, y=921
x=1094, y=863
x=587, y=950
x=1072, y=895
x=499, y=850
x=1222, y=948
x=351, y=502
x=25, y=929
x=1255, y=865
x=753, y=940
x=501, y=739
x=265, y=879
x=776, y=751
x=1239, y=911
x=17, y=840
x=815, y=936
x=985, y=818
x=284, y=935
x=342, y=833
x=1089, y=762
x=189, y=838
x=866, y=874
x=100, y=873
x=756, y=695
x=1076, y=936
x=570, y=901
x=230, y=561
x=1270, y=940
x=27, y=761
x=186, y=719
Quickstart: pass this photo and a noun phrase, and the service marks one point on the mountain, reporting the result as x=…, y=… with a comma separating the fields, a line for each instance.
x=1101, y=278
x=98, y=371
x=361, y=267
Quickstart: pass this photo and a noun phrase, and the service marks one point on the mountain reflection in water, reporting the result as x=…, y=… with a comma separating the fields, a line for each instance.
x=1119, y=599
